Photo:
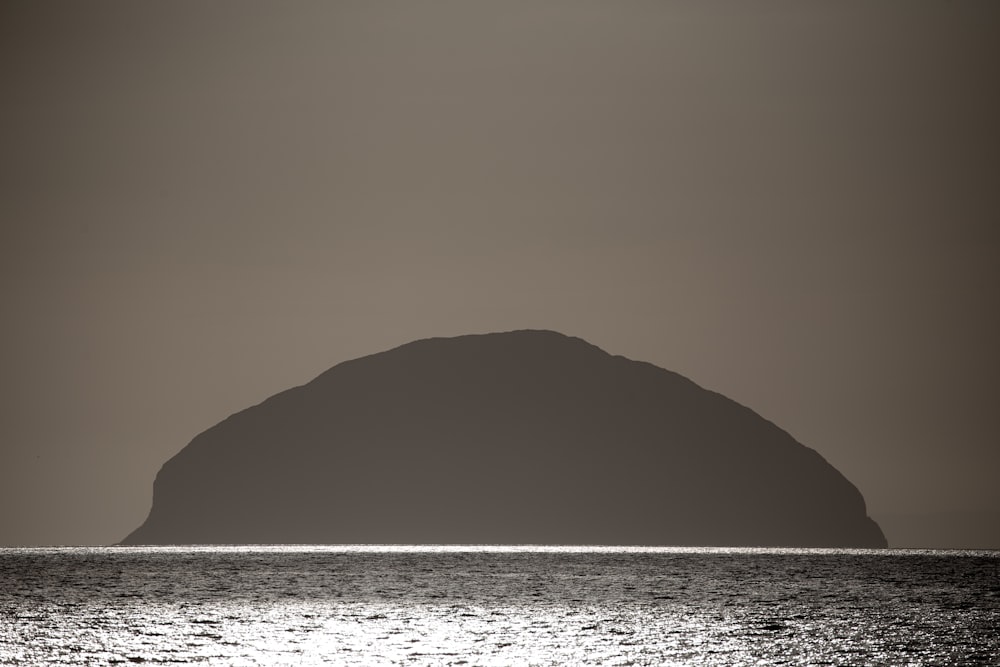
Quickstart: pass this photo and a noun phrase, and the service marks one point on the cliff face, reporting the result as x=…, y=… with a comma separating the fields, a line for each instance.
x=523, y=437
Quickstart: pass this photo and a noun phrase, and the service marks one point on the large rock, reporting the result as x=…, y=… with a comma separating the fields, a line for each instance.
x=524, y=437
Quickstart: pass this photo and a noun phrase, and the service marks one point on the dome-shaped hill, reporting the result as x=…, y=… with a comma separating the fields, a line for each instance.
x=526, y=437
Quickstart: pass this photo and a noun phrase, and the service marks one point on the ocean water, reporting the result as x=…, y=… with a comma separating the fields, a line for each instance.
x=497, y=606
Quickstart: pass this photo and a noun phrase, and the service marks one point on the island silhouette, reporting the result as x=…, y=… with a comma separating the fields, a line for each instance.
x=523, y=437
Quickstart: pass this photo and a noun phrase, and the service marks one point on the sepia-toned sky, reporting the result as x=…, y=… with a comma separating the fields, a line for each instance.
x=796, y=204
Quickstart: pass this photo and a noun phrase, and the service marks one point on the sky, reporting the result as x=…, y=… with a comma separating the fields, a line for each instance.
x=795, y=204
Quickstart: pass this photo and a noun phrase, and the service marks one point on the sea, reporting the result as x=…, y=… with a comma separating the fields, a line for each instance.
x=497, y=605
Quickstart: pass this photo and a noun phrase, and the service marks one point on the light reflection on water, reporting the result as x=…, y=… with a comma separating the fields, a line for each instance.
x=364, y=605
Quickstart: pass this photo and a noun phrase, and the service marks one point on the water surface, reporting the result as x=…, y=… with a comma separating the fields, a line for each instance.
x=363, y=605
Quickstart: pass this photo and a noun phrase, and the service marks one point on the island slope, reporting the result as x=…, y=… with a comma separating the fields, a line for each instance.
x=525, y=437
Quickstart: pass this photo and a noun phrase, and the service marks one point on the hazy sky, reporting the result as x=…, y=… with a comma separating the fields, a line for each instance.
x=796, y=204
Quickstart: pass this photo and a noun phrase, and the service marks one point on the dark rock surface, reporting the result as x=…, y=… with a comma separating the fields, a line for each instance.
x=527, y=437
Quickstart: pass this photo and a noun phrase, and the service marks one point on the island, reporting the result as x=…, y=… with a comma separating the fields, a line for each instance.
x=521, y=437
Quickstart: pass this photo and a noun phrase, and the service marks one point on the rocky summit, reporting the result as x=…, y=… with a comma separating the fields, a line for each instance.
x=525, y=437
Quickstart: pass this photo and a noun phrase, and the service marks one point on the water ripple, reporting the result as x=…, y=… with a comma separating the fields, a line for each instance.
x=497, y=606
